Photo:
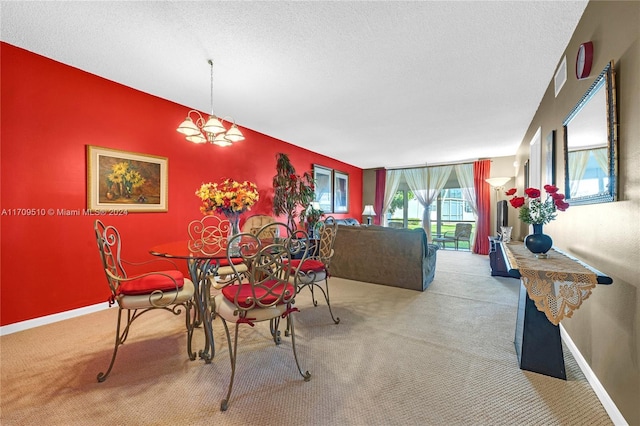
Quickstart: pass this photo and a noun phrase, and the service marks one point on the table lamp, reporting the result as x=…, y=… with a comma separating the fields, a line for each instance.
x=368, y=211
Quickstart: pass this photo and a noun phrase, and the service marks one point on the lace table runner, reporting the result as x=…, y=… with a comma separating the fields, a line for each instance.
x=558, y=284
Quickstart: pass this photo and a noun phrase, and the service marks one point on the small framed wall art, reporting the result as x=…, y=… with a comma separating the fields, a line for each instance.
x=340, y=192
x=324, y=187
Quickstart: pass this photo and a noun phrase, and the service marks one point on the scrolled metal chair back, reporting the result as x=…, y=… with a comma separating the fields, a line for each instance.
x=110, y=245
x=326, y=233
x=209, y=235
x=269, y=262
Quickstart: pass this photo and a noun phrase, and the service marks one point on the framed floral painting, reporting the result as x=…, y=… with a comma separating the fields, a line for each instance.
x=340, y=192
x=126, y=181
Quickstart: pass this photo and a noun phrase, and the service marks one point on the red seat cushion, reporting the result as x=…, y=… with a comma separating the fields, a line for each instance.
x=234, y=260
x=276, y=286
x=150, y=283
x=308, y=265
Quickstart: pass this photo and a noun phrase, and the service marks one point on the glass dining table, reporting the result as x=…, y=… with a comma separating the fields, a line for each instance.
x=203, y=261
x=206, y=254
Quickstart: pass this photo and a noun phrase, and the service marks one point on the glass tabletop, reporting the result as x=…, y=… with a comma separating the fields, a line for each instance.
x=190, y=249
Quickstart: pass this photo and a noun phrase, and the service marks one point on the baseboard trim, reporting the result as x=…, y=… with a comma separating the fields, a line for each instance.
x=601, y=393
x=49, y=319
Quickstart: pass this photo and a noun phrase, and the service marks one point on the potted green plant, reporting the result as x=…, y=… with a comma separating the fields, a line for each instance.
x=291, y=191
x=311, y=215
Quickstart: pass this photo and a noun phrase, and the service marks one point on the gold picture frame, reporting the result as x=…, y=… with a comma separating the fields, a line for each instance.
x=126, y=181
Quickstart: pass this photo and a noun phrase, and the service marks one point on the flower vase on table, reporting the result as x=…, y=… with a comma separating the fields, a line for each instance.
x=234, y=229
x=538, y=243
x=537, y=212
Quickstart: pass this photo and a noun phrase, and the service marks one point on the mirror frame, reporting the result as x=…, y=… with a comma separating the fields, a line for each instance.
x=605, y=80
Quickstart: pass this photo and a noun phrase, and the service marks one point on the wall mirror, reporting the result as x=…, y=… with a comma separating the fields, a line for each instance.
x=590, y=144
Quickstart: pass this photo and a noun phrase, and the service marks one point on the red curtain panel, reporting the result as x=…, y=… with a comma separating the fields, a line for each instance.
x=482, y=171
x=381, y=179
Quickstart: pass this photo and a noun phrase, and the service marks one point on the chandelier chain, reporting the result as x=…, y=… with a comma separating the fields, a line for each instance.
x=211, y=95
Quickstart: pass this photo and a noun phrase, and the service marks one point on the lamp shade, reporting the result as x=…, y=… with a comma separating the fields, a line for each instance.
x=234, y=134
x=213, y=125
x=188, y=127
x=221, y=140
x=497, y=182
x=368, y=210
x=199, y=138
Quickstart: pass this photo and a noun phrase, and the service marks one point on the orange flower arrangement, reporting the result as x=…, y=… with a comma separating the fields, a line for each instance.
x=229, y=197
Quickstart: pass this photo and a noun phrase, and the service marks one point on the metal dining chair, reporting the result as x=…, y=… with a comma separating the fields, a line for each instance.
x=265, y=293
x=313, y=271
x=165, y=289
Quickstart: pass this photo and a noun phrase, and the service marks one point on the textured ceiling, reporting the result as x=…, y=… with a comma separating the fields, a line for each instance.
x=373, y=84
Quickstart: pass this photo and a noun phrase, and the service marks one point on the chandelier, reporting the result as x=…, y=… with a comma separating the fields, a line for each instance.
x=199, y=130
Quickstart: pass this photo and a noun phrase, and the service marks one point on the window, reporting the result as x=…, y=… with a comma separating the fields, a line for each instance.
x=397, y=216
x=449, y=208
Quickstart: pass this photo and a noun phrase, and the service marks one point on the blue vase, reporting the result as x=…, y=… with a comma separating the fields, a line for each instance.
x=538, y=243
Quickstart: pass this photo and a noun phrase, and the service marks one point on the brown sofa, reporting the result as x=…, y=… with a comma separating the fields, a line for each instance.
x=379, y=255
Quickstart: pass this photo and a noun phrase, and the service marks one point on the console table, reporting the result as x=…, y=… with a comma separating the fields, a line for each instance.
x=550, y=289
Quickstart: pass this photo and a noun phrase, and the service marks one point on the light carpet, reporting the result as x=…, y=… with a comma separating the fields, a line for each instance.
x=398, y=357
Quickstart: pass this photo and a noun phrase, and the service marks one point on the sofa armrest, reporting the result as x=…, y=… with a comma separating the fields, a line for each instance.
x=429, y=264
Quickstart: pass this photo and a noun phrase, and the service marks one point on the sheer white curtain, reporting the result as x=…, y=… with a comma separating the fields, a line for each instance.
x=602, y=158
x=577, y=166
x=465, y=179
x=426, y=183
x=390, y=188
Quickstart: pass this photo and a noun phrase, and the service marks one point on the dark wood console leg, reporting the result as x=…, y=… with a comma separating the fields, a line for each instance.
x=538, y=343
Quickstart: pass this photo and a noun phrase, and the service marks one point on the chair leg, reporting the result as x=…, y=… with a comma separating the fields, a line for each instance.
x=274, y=325
x=325, y=292
x=306, y=375
x=119, y=340
x=233, y=351
x=311, y=285
x=313, y=295
x=132, y=315
x=326, y=296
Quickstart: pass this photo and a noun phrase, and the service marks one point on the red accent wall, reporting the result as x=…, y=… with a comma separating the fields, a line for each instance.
x=50, y=112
